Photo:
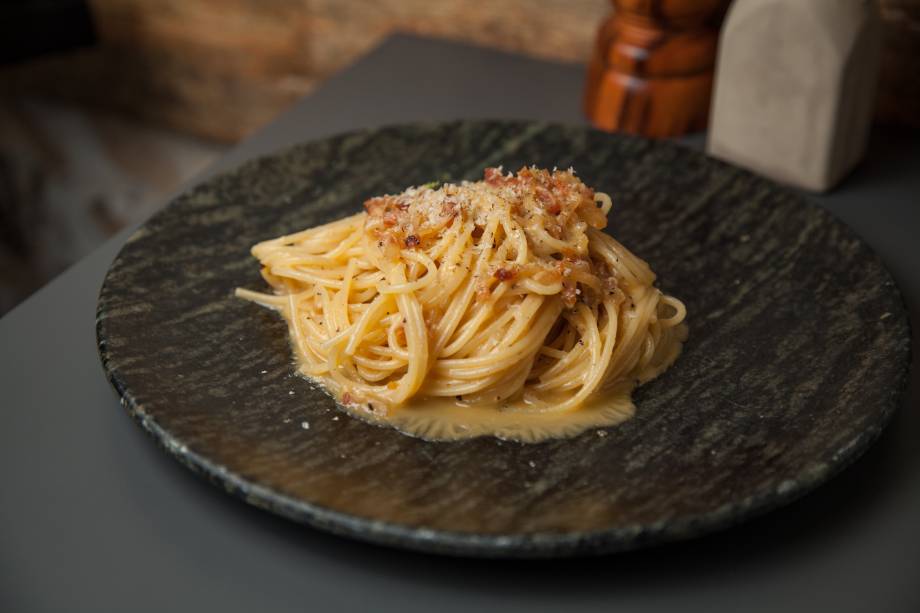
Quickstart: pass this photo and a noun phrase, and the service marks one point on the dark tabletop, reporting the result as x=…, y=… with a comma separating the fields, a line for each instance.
x=94, y=517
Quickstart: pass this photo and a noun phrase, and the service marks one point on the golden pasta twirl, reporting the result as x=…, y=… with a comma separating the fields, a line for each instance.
x=491, y=307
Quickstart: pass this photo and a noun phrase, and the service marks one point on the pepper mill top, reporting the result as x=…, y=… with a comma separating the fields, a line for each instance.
x=679, y=14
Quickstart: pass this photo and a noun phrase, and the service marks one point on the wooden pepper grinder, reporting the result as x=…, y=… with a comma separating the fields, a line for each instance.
x=652, y=68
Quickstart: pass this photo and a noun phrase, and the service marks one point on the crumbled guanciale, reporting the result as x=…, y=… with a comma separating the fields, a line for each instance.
x=505, y=274
x=494, y=176
x=556, y=202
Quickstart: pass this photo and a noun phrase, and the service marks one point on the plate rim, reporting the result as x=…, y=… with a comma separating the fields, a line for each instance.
x=522, y=545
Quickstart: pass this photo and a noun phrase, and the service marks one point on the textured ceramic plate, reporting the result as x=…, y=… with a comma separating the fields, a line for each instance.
x=797, y=355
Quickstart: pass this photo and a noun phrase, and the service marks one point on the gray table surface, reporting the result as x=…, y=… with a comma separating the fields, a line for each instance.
x=93, y=517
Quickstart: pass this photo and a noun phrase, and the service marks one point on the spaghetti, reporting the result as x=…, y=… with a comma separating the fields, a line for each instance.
x=503, y=298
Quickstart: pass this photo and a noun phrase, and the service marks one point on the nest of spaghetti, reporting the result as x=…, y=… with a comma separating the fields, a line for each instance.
x=501, y=291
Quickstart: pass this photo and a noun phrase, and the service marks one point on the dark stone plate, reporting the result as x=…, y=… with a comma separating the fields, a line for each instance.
x=798, y=353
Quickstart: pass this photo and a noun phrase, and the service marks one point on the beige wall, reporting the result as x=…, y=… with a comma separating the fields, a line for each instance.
x=221, y=68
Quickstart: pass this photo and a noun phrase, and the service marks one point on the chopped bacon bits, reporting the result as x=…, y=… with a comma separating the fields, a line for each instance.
x=347, y=398
x=377, y=205
x=449, y=208
x=493, y=176
x=550, y=204
x=539, y=202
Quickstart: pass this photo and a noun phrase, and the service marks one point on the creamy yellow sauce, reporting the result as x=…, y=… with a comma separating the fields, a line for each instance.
x=452, y=419
x=504, y=288
x=447, y=419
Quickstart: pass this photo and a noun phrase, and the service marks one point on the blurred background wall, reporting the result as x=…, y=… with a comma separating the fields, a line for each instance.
x=94, y=138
